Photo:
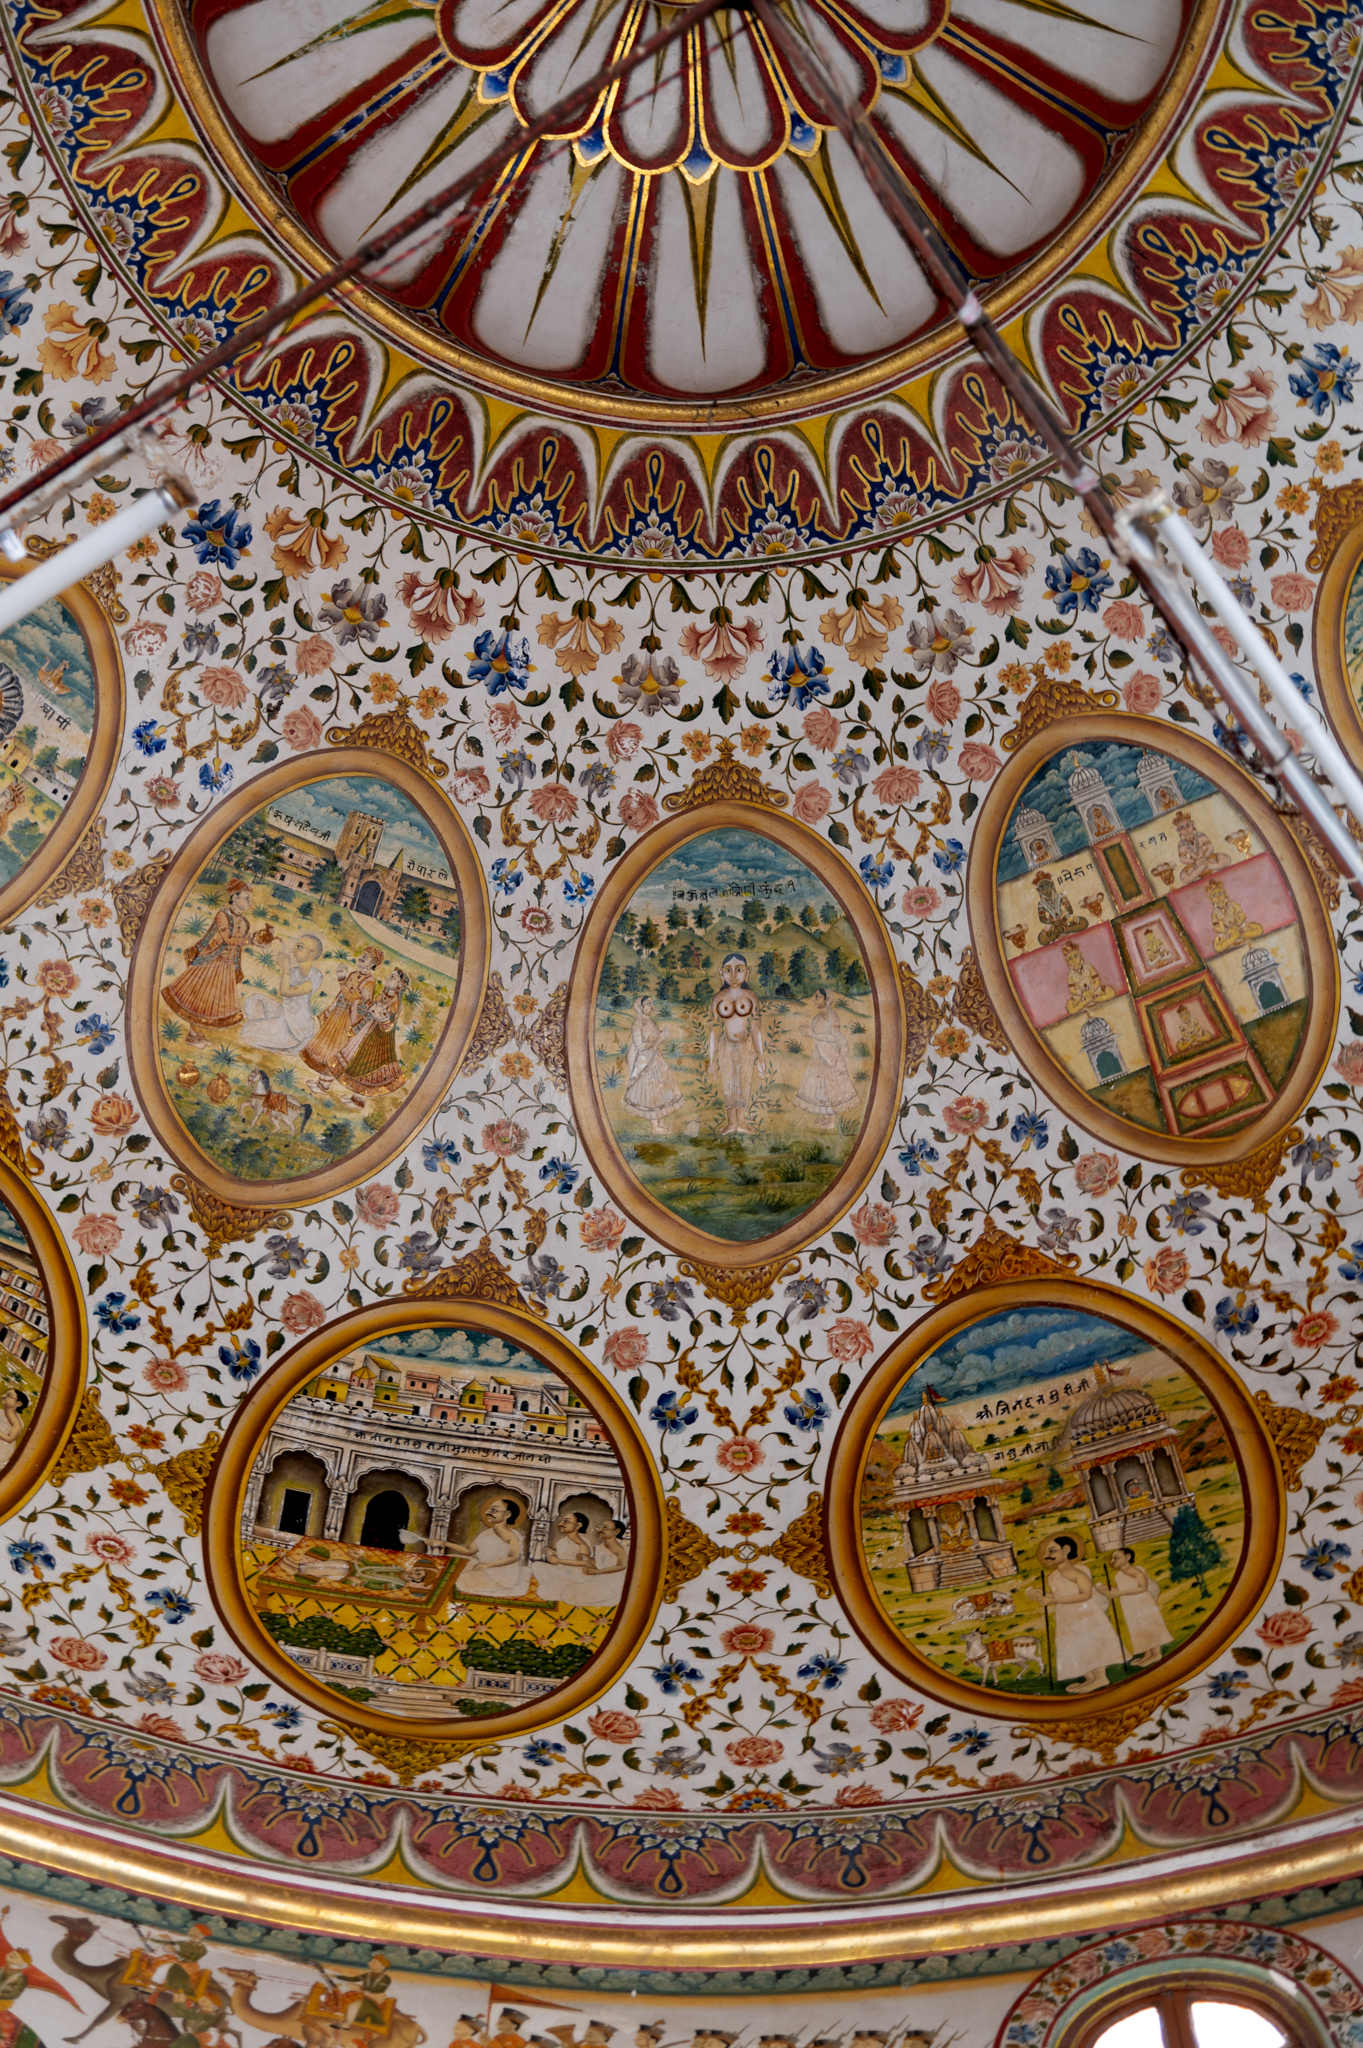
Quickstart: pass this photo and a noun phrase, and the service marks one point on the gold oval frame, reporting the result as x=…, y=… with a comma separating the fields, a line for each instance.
x=1260, y=1479
x=231, y=1473
x=1030, y=1050
x=101, y=759
x=584, y=1087
x=144, y=977
x=1342, y=708
x=67, y=1345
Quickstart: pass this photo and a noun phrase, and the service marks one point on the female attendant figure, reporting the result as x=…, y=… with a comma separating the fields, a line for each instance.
x=205, y=995
x=283, y=1023
x=1085, y=1640
x=735, y=1054
x=1146, y=1629
x=333, y=1026
x=498, y=1570
x=827, y=1087
x=652, y=1091
x=368, y=1062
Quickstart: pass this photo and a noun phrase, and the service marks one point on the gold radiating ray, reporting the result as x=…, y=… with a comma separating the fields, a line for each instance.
x=376, y=15
x=917, y=90
x=581, y=173
x=700, y=221
x=470, y=115
x=817, y=167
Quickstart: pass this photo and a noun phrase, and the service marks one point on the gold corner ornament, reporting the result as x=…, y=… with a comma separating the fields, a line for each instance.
x=479, y=1276
x=1104, y=1734
x=971, y=1007
x=1322, y=861
x=495, y=1028
x=726, y=780
x=1293, y=1434
x=132, y=894
x=393, y=732
x=1337, y=513
x=996, y=1256
x=738, y=1287
x=184, y=1478
x=406, y=1756
x=801, y=1548
x=1049, y=700
x=225, y=1222
x=84, y=870
x=1247, y=1179
x=91, y=1443
x=13, y=1151
x=919, y=1018
x=102, y=583
x=689, y=1551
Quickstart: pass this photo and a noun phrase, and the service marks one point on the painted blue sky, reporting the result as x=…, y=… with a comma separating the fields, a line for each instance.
x=50, y=635
x=466, y=1349
x=730, y=860
x=1353, y=626
x=1016, y=1348
x=10, y=1233
x=319, y=809
x=1048, y=792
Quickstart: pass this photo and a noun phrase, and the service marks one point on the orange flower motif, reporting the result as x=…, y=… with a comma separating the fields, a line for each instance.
x=516, y=1066
x=1292, y=498
x=99, y=509
x=128, y=1493
x=430, y=702
x=94, y=913
x=383, y=688
x=296, y=534
x=57, y=978
x=1330, y=458
x=697, y=745
x=864, y=628
x=754, y=738
x=1058, y=656
x=584, y=638
x=71, y=349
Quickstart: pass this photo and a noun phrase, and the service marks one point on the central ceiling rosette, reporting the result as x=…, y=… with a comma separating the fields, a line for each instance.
x=702, y=231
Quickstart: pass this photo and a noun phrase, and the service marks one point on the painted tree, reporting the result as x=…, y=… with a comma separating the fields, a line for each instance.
x=1193, y=1550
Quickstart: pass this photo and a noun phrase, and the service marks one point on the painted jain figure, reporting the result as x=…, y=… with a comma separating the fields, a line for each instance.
x=827, y=1088
x=498, y=1570
x=735, y=1056
x=1085, y=1640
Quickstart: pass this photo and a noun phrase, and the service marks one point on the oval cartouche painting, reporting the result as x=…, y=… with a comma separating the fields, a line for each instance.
x=743, y=1039
x=1054, y=1496
x=314, y=985
x=42, y=1341
x=1150, y=927
x=61, y=716
x=1338, y=629
x=443, y=1519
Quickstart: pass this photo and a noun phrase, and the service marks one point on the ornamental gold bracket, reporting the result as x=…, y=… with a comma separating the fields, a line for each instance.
x=1337, y=513
x=225, y=1222
x=800, y=1548
x=1250, y=1177
x=1104, y=1734
x=132, y=895
x=1294, y=1437
x=997, y=1256
x=740, y=1288
x=479, y=1276
x=392, y=732
x=84, y=870
x=1050, y=699
x=726, y=780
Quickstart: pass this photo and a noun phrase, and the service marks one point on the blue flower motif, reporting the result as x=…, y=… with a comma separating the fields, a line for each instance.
x=199, y=639
x=283, y=1716
x=420, y=1253
x=541, y=1750
x=670, y=1299
x=287, y=1256
x=1317, y=1159
x=214, y=775
x=970, y=1740
x=1226, y=1685
x=438, y=1153
x=218, y=534
x=932, y=747
x=516, y=766
x=1323, y=378
x=917, y=1154
x=840, y=1759
x=94, y=1034
x=506, y=876
x=1185, y=1214
x=1324, y=1558
x=808, y=1410
x=174, y=1606
x=1077, y=582
x=147, y=738
x=241, y=1357
x=808, y=1298
x=1351, y=1266
x=851, y=767
x=928, y=1255
x=1234, y=1317
x=669, y=1414
x=674, y=1674
x=1163, y=648
x=27, y=1554
x=560, y=1176
x=1030, y=1129
x=828, y=1669
x=111, y=1314
x=950, y=858
x=796, y=675
x=501, y=661
x=154, y=1205
x=676, y=1761
x=877, y=874
x=597, y=779
x=579, y=888
x=14, y=307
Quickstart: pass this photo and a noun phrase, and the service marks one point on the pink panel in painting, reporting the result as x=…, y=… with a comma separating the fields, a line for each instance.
x=1042, y=979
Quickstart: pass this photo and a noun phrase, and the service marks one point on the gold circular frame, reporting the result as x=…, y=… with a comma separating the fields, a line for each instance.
x=232, y=1471
x=1260, y=1481
x=58, y=1403
x=584, y=1086
x=1342, y=707
x=101, y=758
x=144, y=977
x=1321, y=957
x=1149, y=141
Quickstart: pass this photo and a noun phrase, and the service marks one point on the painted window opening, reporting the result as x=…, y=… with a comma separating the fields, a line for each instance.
x=1185, y=2019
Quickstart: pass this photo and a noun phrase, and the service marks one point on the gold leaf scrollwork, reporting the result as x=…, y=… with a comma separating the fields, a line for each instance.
x=12, y=1148
x=547, y=1036
x=1318, y=854
x=132, y=893
x=1247, y=1179
x=495, y=1028
x=84, y=870
x=102, y=583
x=1050, y=699
x=994, y=1257
x=970, y=1004
x=1337, y=513
x=740, y=1288
x=1294, y=1436
x=689, y=1550
x=801, y=1548
x=726, y=780
x=406, y=1756
x=1104, y=1734
x=392, y=732
x=224, y=1222
x=185, y=1478
x=91, y=1443
x=918, y=1019
x=479, y=1276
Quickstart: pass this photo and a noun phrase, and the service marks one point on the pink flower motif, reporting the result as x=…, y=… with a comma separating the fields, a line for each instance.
x=165, y=1375
x=162, y=1725
x=601, y=1229
x=470, y=786
x=895, y=1717
x=78, y=1654
x=216, y=1668
x=552, y=804
x=1284, y=1627
x=504, y=720
x=1230, y=547
x=821, y=729
x=377, y=1204
x=873, y=1224
x=966, y=1115
x=314, y=656
x=1292, y=592
x=740, y=1454
x=111, y=1549
x=754, y=1750
x=434, y=609
x=746, y=1639
x=638, y=810
x=97, y=1235
x=301, y=1312
x=626, y=1349
x=1142, y=693
x=943, y=701
x=1226, y=641
x=1167, y=1271
x=1097, y=1172
x=1124, y=621
x=922, y=900
x=1242, y=415
x=111, y=1115
x=164, y=793
x=811, y=802
x=1315, y=1329
x=203, y=592
x=723, y=648
x=848, y=1340
x=613, y=1724
x=858, y=1795
x=504, y=1138
x=897, y=784
x=977, y=762
x=1349, y=1063
x=992, y=581
x=657, y=1799
x=301, y=728
x=223, y=687
x=144, y=638
x=624, y=740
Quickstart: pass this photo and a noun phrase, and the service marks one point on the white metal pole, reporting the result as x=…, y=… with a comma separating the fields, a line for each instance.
x=46, y=579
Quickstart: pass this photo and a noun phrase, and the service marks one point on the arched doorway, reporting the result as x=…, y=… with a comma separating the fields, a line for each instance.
x=367, y=898
x=382, y=1506
x=385, y=1516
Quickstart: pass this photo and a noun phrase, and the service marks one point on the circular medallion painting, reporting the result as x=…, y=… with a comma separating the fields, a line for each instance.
x=42, y=1341
x=1339, y=614
x=735, y=1034
x=308, y=977
x=61, y=721
x=436, y=1513
x=1153, y=940
x=1052, y=1493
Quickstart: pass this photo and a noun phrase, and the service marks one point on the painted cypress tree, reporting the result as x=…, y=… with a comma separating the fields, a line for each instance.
x=1193, y=1550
